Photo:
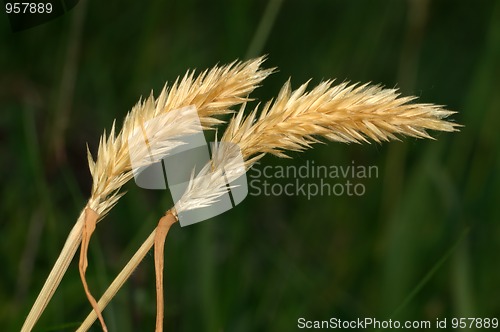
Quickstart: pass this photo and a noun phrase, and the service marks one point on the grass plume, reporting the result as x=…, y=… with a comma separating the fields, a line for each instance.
x=296, y=119
x=213, y=93
x=343, y=113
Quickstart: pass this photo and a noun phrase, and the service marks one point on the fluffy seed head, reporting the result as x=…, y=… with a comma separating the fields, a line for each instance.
x=343, y=113
x=213, y=93
x=296, y=119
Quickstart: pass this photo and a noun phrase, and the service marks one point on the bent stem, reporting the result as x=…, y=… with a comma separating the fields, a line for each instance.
x=89, y=225
x=56, y=274
x=161, y=233
x=122, y=277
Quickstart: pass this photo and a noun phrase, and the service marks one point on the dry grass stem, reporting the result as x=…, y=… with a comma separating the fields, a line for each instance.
x=161, y=234
x=295, y=120
x=119, y=281
x=130, y=267
x=56, y=274
x=89, y=225
x=213, y=93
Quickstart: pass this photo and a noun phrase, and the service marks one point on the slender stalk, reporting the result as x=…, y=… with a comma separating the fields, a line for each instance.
x=120, y=279
x=161, y=234
x=56, y=275
x=157, y=238
x=88, y=228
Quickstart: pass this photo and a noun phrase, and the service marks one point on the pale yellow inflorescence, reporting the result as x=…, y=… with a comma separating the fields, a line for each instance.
x=213, y=93
x=297, y=119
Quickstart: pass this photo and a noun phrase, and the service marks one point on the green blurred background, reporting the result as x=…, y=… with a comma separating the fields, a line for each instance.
x=421, y=244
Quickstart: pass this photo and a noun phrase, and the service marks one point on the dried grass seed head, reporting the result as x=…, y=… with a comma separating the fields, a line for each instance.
x=296, y=119
x=213, y=93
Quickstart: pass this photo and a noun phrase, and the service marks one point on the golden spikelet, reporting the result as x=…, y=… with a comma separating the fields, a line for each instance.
x=343, y=113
